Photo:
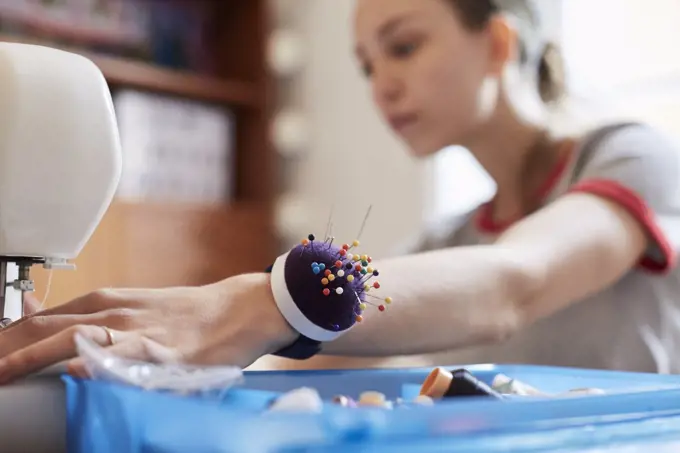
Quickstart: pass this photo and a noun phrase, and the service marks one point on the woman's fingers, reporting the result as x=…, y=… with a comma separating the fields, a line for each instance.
x=49, y=351
x=18, y=336
x=93, y=302
x=40, y=326
x=85, y=305
x=135, y=347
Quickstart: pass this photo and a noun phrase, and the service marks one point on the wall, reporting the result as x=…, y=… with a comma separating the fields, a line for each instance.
x=639, y=43
x=630, y=72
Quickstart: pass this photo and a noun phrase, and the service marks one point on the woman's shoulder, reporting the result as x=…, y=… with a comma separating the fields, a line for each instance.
x=626, y=147
x=628, y=138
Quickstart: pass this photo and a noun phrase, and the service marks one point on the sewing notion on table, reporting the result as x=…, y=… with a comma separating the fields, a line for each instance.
x=441, y=385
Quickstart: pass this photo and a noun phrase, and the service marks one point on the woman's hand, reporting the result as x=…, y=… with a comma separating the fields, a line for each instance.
x=232, y=322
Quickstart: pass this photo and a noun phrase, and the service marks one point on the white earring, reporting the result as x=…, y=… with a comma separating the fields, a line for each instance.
x=487, y=98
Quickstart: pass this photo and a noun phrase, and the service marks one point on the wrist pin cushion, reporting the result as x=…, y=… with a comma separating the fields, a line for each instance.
x=323, y=290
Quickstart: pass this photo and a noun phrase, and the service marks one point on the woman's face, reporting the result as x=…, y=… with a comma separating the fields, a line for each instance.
x=425, y=68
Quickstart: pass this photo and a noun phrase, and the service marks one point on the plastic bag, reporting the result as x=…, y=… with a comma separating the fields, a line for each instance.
x=175, y=378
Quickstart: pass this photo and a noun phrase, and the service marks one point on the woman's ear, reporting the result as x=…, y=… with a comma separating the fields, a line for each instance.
x=503, y=44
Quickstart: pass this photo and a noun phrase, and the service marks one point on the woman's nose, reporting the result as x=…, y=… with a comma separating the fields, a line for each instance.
x=387, y=88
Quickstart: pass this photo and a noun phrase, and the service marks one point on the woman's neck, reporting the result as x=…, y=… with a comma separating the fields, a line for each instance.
x=519, y=157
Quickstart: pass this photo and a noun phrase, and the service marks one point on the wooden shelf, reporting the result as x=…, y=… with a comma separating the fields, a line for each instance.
x=140, y=75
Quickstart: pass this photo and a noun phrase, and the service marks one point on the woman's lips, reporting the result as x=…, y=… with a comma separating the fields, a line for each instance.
x=401, y=122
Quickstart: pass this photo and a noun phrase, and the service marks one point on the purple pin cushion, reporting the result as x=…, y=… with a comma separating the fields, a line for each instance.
x=322, y=289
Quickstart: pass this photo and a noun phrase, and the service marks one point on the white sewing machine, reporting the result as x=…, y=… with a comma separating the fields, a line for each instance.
x=60, y=164
x=60, y=161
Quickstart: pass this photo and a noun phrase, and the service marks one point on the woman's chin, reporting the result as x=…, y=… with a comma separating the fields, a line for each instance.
x=424, y=147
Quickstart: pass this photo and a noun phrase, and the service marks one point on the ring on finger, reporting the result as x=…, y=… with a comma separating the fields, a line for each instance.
x=109, y=335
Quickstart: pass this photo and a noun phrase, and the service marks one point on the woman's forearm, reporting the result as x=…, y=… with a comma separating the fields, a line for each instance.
x=442, y=300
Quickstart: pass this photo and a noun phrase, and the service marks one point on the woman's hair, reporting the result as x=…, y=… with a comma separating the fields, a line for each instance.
x=476, y=14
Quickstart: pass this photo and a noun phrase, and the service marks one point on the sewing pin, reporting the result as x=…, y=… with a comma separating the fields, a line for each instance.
x=328, y=225
x=387, y=300
x=356, y=242
x=363, y=224
x=375, y=273
x=305, y=243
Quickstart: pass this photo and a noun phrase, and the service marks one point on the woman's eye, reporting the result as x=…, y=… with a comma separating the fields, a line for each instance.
x=404, y=50
x=366, y=70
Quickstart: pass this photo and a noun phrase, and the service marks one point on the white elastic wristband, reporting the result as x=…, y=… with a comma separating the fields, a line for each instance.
x=289, y=308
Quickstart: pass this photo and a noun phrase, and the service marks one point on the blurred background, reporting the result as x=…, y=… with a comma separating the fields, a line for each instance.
x=244, y=121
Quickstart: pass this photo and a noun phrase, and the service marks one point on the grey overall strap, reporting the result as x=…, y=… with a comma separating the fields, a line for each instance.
x=591, y=144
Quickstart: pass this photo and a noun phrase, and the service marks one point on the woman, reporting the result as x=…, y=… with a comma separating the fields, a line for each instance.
x=572, y=263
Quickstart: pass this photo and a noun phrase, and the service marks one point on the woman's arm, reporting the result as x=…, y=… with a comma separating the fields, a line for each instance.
x=464, y=296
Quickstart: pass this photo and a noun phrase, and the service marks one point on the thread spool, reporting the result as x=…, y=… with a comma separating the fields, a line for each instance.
x=372, y=398
x=442, y=383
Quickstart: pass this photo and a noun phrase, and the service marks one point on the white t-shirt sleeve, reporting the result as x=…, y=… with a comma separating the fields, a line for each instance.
x=639, y=168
